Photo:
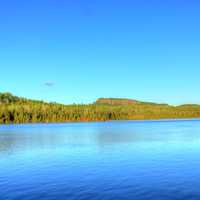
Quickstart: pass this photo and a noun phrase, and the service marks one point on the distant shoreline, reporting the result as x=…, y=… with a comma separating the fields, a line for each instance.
x=107, y=121
x=17, y=110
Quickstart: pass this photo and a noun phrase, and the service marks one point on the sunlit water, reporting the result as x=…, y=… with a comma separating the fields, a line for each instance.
x=136, y=160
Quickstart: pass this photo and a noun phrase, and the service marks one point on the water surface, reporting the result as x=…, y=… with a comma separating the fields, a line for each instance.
x=101, y=161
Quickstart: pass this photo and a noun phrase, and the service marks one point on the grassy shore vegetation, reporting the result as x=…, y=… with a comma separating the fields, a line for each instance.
x=20, y=110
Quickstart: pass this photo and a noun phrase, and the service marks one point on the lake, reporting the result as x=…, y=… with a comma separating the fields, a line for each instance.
x=136, y=160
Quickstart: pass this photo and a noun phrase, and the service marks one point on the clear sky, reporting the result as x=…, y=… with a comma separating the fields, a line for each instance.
x=78, y=50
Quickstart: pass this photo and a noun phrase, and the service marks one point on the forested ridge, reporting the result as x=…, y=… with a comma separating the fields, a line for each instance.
x=15, y=109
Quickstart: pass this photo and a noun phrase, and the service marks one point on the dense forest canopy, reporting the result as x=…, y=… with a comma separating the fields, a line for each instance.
x=8, y=98
x=20, y=110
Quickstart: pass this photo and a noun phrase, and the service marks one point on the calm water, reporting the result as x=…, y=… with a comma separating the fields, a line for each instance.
x=112, y=160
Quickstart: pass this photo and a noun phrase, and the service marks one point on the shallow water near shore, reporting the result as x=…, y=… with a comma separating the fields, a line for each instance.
x=101, y=160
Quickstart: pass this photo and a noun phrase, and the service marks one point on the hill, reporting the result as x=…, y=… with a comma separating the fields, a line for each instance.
x=116, y=101
x=8, y=98
x=123, y=102
x=15, y=109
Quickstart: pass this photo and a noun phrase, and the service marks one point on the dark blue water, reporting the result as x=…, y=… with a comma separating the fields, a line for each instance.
x=112, y=160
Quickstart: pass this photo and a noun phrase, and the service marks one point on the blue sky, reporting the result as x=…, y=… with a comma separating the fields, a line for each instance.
x=78, y=50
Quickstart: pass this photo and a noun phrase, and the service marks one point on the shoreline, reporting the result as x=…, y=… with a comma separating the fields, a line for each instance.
x=106, y=121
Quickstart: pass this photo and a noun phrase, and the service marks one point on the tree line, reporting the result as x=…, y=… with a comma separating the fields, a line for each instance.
x=20, y=110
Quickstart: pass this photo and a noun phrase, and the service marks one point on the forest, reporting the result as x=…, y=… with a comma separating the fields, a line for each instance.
x=15, y=109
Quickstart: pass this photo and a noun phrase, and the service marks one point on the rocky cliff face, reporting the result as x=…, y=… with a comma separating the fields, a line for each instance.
x=116, y=101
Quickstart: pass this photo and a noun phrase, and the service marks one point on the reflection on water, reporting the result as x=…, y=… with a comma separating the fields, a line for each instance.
x=110, y=160
x=25, y=137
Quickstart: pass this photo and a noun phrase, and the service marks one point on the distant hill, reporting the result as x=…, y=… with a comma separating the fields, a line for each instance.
x=125, y=102
x=15, y=109
x=116, y=101
x=8, y=98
